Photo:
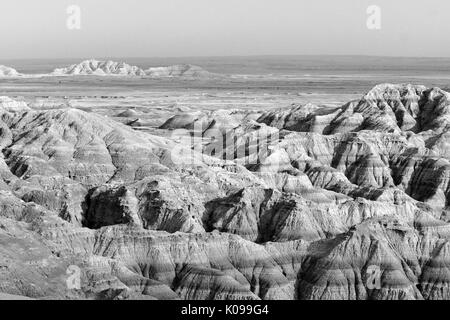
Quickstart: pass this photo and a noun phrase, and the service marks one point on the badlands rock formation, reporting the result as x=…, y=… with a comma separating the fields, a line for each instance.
x=110, y=68
x=305, y=202
x=100, y=68
x=8, y=72
x=179, y=70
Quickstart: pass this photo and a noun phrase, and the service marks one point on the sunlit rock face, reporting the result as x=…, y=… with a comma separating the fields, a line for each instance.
x=305, y=202
x=6, y=71
x=100, y=68
x=95, y=67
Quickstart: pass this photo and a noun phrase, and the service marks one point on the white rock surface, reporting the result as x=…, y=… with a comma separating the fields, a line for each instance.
x=8, y=72
x=100, y=68
x=8, y=104
x=339, y=192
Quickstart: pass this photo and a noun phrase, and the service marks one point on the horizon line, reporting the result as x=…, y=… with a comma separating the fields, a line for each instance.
x=230, y=56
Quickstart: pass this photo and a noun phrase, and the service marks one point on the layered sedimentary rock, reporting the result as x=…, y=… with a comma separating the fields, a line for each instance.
x=306, y=202
x=96, y=67
x=111, y=68
x=179, y=71
x=100, y=68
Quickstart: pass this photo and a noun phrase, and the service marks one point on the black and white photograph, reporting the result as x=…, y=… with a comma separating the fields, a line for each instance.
x=189, y=151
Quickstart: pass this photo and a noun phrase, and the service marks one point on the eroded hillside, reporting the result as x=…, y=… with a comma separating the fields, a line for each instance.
x=297, y=203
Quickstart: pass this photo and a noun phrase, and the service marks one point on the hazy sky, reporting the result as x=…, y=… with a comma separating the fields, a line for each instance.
x=158, y=28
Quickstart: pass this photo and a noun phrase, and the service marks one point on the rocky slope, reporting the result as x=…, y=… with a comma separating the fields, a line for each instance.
x=299, y=203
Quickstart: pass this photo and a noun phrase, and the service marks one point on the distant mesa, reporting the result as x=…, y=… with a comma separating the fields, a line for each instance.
x=179, y=70
x=100, y=68
x=8, y=72
x=107, y=68
x=95, y=67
